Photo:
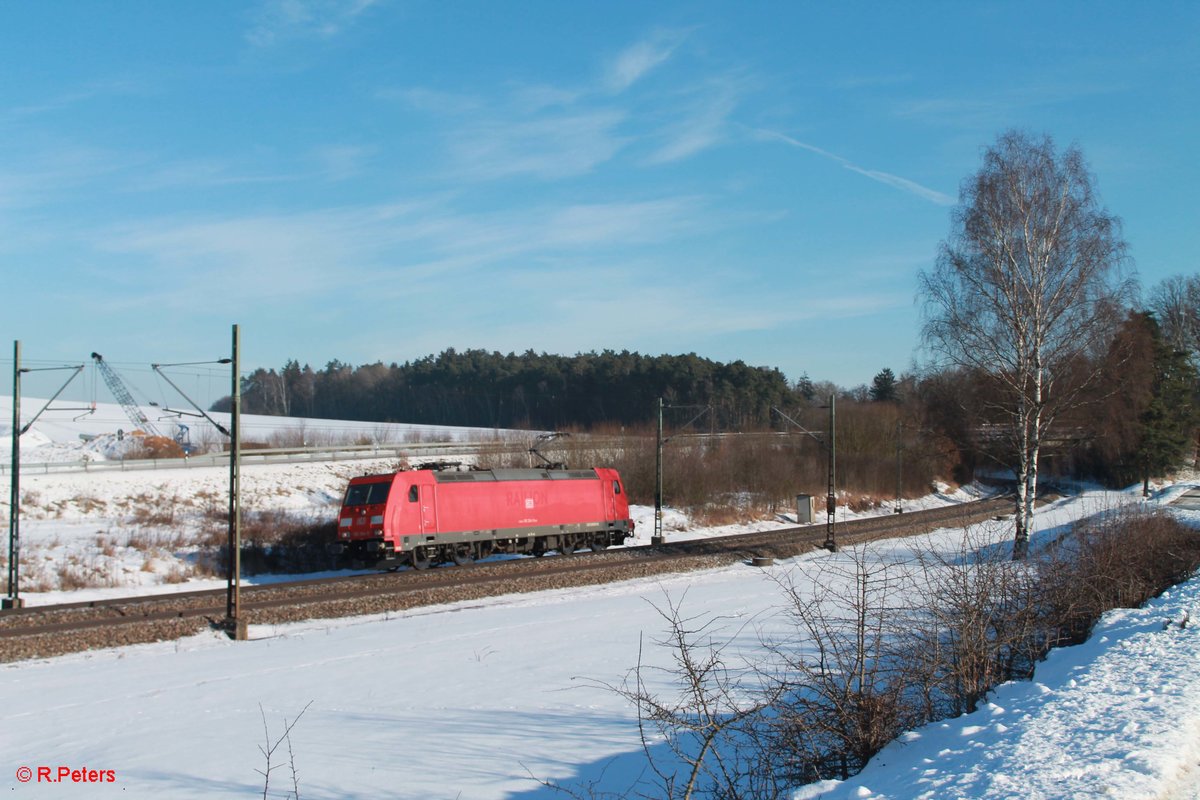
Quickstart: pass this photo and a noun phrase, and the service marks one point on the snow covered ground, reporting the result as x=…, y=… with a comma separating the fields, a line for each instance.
x=481, y=699
x=471, y=700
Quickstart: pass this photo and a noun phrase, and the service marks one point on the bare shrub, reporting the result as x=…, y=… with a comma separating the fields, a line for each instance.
x=273, y=541
x=846, y=682
x=981, y=622
x=156, y=447
x=739, y=476
x=291, y=437
x=205, y=439
x=268, y=749
x=710, y=718
x=1117, y=559
x=757, y=473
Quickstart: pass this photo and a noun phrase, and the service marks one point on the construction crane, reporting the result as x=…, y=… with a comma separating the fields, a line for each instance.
x=121, y=392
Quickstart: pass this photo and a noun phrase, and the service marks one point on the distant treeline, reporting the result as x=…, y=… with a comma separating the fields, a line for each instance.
x=535, y=390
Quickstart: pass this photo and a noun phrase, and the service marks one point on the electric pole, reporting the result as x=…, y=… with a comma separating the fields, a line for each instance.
x=14, y=498
x=237, y=625
x=657, y=538
x=831, y=499
x=14, y=509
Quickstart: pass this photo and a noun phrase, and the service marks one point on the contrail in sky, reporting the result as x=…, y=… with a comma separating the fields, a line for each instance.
x=894, y=181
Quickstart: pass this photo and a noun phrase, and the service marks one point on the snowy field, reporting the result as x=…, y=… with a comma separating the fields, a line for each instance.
x=58, y=435
x=479, y=699
x=470, y=700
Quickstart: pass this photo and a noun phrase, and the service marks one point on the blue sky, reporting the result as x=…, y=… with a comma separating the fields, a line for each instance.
x=382, y=179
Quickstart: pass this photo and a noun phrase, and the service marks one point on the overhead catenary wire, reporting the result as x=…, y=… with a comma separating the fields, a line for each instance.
x=138, y=375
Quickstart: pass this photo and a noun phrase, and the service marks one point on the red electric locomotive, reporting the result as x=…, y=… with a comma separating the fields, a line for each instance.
x=424, y=517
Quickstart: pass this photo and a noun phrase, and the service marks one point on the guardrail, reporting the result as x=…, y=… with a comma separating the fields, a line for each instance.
x=292, y=455
x=300, y=455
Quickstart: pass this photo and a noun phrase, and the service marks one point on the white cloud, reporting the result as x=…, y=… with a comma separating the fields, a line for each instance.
x=281, y=20
x=549, y=147
x=342, y=162
x=553, y=132
x=433, y=100
x=704, y=123
x=58, y=172
x=91, y=90
x=996, y=109
x=628, y=223
x=364, y=251
x=636, y=61
x=197, y=173
x=532, y=99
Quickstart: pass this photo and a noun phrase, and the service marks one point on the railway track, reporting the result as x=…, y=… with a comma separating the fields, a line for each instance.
x=44, y=631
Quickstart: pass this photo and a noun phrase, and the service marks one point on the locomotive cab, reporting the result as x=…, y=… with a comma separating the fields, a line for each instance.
x=361, y=529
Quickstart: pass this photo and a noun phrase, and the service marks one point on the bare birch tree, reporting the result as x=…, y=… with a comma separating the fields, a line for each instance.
x=1026, y=290
x=1176, y=305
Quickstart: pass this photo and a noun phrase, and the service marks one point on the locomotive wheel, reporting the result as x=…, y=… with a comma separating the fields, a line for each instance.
x=598, y=545
x=567, y=547
x=420, y=558
x=462, y=555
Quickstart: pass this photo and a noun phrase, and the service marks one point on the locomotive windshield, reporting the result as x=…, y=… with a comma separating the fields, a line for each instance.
x=367, y=494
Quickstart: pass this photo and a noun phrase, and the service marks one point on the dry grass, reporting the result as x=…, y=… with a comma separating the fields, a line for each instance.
x=105, y=546
x=154, y=509
x=150, y=540
x=87, y=504
x=177, y=574
x=862, y=502
x=716, y=515
x=75, y=571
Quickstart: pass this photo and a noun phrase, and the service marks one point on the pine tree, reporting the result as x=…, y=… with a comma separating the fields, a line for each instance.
x=1168, y=423
x=883, y=387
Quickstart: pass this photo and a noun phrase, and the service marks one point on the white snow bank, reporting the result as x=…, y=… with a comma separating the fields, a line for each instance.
x=1117, y=716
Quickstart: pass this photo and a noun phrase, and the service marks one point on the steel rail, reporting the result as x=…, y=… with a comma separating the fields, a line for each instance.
x=320, y=596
